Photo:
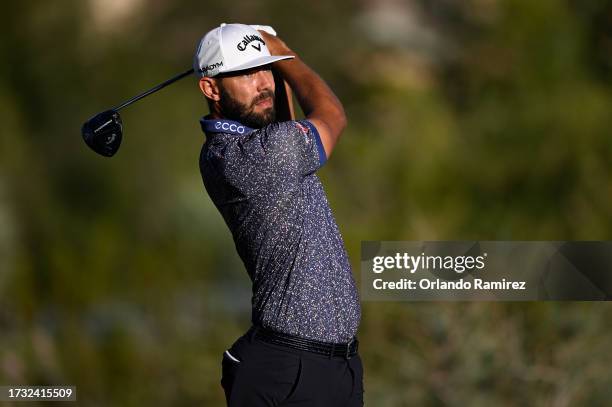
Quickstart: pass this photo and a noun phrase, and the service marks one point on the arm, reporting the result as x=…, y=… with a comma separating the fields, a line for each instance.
x=319, y=103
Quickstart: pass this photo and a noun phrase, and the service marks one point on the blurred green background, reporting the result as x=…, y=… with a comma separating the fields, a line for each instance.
x=473, y=120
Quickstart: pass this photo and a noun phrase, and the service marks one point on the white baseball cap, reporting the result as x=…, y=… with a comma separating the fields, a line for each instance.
x=232, y=47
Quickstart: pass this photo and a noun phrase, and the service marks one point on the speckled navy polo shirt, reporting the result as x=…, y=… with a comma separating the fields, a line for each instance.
x=264, y=184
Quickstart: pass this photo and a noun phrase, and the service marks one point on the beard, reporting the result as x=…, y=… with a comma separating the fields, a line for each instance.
x=245, y=113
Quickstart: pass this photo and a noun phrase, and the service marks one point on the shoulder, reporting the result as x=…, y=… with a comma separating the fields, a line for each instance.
x=299, y=140
x=289, y=132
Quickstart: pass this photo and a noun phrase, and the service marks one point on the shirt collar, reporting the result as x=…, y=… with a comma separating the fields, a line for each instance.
x=211, y=126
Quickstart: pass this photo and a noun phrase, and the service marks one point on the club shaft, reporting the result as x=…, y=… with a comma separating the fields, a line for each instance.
x=153, y=89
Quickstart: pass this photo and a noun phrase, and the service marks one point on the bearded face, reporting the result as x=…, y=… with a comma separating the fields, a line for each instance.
x=256, y=113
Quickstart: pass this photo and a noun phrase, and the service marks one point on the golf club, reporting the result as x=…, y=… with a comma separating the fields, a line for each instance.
x=104, y=132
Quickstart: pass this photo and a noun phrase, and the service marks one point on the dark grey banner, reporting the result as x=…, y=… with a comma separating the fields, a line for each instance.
x=486, y=271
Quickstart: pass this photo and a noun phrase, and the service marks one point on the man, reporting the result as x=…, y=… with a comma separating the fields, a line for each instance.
x=260, y=174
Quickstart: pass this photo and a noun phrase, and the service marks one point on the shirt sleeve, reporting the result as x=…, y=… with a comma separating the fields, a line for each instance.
x=296, y=145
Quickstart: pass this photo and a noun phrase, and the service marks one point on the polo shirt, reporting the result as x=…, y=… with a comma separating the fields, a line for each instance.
x=264, y=184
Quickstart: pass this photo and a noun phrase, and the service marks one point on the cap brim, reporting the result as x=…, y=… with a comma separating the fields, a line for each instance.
x=257, y=62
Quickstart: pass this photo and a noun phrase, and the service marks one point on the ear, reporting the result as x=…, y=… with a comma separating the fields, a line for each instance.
x=209, y=88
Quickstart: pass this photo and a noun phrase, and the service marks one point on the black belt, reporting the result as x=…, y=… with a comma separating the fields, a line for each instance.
x=344, y=350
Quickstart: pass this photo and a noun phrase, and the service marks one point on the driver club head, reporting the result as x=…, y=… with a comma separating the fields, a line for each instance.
x=103, y=132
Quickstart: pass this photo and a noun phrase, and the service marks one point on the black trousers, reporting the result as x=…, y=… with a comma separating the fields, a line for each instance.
x=259, y=374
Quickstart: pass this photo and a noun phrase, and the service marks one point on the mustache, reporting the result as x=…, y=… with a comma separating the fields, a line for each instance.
x=263, y=96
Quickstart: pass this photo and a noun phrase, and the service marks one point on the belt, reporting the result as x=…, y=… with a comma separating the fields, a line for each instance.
x=344, y=350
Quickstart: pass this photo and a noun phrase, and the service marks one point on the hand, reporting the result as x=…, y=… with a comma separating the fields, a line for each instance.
x=275, y=44
x=265, y=28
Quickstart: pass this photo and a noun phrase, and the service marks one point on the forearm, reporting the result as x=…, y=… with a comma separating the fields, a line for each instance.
x=313, y=94
x=319, y=103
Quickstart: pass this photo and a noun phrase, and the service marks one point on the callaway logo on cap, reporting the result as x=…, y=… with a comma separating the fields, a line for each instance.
x=232, y=47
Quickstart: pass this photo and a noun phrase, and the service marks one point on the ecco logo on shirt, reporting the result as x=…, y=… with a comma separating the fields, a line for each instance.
x=229, y=126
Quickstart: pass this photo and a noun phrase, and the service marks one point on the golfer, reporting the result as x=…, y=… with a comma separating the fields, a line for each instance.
x=261, y=175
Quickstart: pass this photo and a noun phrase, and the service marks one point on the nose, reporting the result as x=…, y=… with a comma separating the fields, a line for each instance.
x=265, y=80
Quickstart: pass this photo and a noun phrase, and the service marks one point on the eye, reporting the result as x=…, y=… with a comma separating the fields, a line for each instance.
x=246, y=74
x=254, y=71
